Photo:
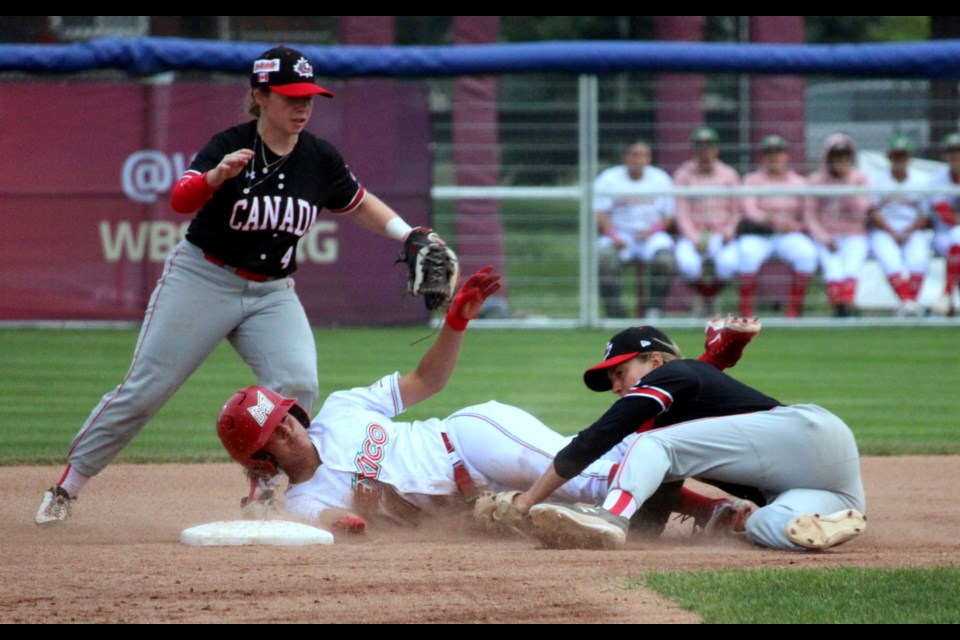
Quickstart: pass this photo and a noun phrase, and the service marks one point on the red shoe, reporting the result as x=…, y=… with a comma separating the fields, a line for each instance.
x=726, y=339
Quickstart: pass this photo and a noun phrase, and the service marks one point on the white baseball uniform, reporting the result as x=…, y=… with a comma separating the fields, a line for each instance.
x=714, y=218
x=635, y=214
x=946, y=235
x=362, y=449
x=900, y=211
x=787, y=241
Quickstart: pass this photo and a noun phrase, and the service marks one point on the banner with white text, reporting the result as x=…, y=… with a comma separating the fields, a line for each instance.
x=85, y=217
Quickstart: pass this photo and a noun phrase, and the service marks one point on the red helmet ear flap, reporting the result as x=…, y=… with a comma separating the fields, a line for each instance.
x=264, y=465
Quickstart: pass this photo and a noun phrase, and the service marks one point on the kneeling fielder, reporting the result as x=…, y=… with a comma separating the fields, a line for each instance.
x=802, y=459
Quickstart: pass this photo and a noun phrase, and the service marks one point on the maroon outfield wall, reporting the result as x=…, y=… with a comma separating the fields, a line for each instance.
x=85, y=220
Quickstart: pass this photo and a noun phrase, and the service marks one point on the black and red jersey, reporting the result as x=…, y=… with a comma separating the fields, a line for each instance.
x=678, y=391
x=255, y=220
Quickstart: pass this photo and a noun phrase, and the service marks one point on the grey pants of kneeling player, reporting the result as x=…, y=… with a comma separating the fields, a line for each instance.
x=803, y=459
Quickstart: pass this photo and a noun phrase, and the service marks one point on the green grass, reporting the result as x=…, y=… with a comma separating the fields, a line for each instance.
x=814, y=596
x=895, y=387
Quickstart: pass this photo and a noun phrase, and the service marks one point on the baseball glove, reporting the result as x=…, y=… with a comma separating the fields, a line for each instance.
x=494, y=513
x=433, y=269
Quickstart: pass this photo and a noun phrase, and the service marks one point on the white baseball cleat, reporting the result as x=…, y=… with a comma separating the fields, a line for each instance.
x=54, y=507
x=816, y=532
x=910, y=309
x=943, y=306
x=574, y=527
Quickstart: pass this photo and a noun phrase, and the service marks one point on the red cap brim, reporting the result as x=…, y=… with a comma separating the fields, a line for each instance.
x=596, y=376
x=301, y=90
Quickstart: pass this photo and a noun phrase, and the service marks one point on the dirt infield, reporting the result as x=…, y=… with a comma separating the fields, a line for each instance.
x=120, y=560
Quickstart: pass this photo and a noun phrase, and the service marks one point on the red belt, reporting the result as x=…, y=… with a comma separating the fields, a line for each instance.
x=243, y=273
x=460, y=474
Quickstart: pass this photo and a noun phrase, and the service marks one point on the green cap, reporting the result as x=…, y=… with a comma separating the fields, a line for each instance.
x=773, y=143
x=951, y=141
x=704, y=135
x=901, y=143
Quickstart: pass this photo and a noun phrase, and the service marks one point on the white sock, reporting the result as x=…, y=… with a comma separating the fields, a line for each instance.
x=73, y=481
x=621, y=503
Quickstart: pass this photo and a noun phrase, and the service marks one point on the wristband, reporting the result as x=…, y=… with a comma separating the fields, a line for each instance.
x=397, y=228
x=455, y=322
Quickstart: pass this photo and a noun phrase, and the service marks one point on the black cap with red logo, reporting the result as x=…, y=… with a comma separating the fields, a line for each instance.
x=627, y=344
x=286, y=71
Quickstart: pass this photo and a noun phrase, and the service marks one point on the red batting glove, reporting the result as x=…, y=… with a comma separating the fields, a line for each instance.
x=466, y=304
x=349, y=526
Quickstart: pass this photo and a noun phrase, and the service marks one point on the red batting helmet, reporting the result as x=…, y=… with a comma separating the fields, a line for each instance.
x=247, y=421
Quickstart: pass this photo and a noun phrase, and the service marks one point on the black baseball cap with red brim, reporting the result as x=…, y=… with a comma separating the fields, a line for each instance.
x=627, y=344
x=286, y=71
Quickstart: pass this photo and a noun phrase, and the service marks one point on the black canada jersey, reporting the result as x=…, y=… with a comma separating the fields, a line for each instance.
x=678, y=391
x=255, y=220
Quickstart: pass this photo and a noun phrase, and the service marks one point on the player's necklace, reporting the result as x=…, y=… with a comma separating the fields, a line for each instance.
x=268, y=165
x=269, y=168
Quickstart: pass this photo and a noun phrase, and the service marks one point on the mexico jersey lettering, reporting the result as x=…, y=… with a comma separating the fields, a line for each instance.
x=355, y=433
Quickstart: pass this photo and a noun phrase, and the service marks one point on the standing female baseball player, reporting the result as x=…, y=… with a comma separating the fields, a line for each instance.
x=802, y=458
x=257, y=188
x=898, y=220
x=839, y=224
x=773, y=226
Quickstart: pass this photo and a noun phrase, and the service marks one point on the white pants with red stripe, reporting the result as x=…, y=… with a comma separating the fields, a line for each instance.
x=504, y=447
x=802, y=458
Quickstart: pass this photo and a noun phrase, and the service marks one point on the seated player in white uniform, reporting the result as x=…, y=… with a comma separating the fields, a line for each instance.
x=898, y=238
x=356, y=462
x=634, y=227
x=945, y=219
x=801, y=459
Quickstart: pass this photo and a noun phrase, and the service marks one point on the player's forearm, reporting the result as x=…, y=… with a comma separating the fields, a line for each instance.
x=604, y=226
x=373, y=214
x=686, y=227
x=815, y=228
x=435, y=368
x=750, y=206
x=623, y=418
x=542, y=489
